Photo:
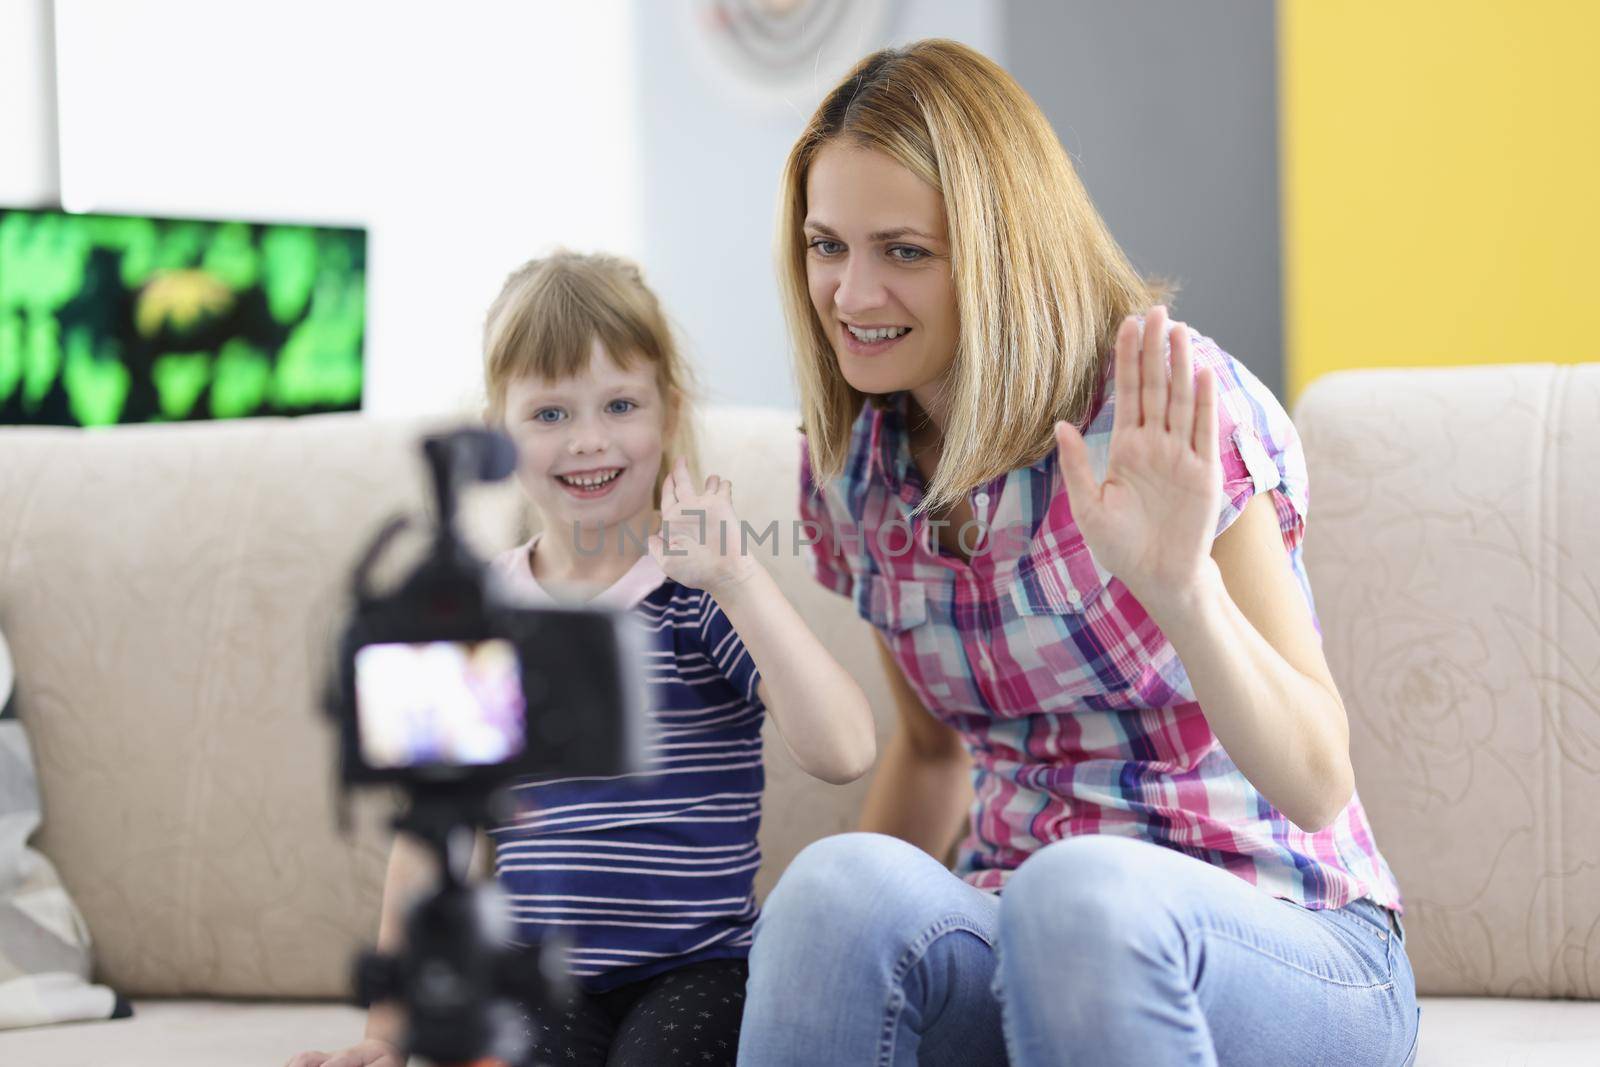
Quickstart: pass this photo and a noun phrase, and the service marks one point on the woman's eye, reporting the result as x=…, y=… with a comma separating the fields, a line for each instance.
x=548, y=415
x=823, y=246
x=620, y=407
x=911, y=253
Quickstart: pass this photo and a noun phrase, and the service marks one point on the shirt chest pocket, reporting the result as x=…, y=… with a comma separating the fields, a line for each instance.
x=1071, y=641
x=898, y=610
x=891, y=607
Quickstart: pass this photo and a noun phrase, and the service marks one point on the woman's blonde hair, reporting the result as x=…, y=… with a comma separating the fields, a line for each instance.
x=550, y=313
x=1040, y=284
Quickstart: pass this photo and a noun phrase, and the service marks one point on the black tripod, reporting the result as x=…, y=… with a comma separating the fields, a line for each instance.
x=463, y=987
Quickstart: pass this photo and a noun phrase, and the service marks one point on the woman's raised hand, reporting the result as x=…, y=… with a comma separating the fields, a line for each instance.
x=1151, y=521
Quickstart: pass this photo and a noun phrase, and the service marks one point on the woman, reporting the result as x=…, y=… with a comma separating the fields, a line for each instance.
x=1077, y=530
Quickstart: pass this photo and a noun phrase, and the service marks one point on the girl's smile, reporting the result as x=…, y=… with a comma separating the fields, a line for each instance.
x=590, y=484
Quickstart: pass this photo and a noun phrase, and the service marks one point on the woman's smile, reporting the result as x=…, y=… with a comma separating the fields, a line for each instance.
x=870, y=340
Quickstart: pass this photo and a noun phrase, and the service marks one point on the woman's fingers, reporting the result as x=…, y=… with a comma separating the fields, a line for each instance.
x=1125, y=416
x=1180, y=399
x=1205, y=415
x=1076, y=473
x=1153, y=369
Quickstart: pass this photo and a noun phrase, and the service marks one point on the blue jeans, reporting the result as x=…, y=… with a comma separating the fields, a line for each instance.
x=1101, y=951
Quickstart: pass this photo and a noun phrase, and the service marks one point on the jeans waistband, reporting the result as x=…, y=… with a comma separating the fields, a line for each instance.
x=1377, y=914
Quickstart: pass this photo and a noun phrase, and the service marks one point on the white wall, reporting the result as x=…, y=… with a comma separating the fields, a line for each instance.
x=27, y=115
x=710, y=160
x=465, y=136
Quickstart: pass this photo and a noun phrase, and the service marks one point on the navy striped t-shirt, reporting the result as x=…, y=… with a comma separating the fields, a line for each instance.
x=651, y=871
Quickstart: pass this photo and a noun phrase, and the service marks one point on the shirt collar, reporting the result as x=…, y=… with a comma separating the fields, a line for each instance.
x=889, y=451
x=640, y=580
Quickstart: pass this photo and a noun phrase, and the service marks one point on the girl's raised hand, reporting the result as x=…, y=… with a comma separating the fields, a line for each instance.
x=1151, y=521
x=701, y=544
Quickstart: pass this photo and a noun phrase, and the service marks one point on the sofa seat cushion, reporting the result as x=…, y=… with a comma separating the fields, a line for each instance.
x=1456, y=1032
x=1484, y=1031
x=191, y=1033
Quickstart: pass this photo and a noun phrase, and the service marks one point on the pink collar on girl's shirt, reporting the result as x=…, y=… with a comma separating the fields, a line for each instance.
x=642, y=579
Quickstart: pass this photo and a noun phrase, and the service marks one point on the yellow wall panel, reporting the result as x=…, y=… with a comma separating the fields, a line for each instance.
x=1441, y=182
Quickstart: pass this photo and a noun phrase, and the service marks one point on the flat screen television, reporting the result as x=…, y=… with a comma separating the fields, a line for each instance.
x=109, y=319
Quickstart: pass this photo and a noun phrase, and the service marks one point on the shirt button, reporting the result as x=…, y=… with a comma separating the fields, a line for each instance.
x=1074, y=598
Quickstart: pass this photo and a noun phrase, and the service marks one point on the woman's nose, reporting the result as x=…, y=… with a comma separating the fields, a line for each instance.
x=859, y=290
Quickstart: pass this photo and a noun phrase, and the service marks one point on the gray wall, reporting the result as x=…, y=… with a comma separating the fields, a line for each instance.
x=1169, y=110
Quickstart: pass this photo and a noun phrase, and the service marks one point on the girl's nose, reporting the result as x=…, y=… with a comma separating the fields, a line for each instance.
x=586, y=434
x=585, y=443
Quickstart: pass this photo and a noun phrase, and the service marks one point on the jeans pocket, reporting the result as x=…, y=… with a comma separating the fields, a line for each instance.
x=1364, y=926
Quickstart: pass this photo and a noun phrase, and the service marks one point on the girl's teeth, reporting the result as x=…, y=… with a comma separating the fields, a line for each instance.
x=590, y=481
x=879, y=334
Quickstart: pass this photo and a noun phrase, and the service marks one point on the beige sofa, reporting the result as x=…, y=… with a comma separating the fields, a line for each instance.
x=170, y=593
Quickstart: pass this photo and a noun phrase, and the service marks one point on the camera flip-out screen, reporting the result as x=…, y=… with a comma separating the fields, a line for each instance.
x=439, y=704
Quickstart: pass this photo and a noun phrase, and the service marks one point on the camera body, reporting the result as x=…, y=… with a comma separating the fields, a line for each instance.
x=442, y=683
x=451, y=690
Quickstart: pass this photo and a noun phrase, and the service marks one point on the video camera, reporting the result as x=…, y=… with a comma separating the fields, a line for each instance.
x=449, y=689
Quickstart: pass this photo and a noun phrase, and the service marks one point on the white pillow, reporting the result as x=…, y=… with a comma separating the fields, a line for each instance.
x=44, y=944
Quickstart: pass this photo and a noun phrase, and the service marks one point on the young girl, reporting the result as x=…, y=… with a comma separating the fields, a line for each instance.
x=649, y=874
x=1102, y=621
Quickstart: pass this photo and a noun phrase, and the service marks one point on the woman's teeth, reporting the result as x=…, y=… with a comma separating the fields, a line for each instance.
x=883, y=333
x=589, y=481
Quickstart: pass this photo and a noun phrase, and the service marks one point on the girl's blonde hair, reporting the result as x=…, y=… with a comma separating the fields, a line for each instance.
x=551, y=312
x=1040, y=284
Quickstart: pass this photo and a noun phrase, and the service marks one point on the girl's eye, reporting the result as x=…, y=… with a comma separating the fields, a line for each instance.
x=824, y=247
x=913, y=253
x=548, y=415
x=620, y=407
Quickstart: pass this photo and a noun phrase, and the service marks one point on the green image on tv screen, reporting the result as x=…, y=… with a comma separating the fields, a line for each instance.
x=113, y=319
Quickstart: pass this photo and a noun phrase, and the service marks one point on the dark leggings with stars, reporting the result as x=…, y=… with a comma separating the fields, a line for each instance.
x=683, y=1017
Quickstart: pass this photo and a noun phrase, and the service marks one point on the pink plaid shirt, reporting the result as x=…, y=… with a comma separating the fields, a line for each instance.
x=1078, y=714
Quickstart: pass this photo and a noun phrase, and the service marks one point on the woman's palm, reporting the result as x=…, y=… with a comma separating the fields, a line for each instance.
x=1150, y=522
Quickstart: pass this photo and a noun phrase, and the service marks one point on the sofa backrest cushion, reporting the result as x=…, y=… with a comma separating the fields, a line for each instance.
x=172, y=595
x=1453, y=545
